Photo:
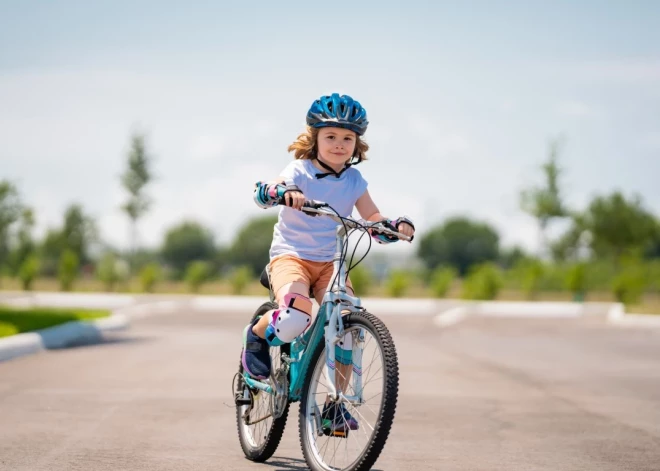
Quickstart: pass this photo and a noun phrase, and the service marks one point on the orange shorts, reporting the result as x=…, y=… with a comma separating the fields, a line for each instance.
x=287, y=269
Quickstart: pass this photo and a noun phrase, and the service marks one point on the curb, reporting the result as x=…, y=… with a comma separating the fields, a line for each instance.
x=61, y=336
x=612, y=313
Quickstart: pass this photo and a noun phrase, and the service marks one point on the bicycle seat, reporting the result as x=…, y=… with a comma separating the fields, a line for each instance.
x=263, y=279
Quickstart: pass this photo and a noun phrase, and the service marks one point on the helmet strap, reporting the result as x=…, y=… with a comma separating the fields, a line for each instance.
x=331, y=171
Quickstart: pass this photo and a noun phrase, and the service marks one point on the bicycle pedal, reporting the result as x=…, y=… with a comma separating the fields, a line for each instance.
x=241, y=401
x=337, y=433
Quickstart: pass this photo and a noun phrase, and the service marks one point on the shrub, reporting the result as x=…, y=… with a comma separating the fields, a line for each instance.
x=441, y=280
x=361, y=280
x=628, y=285
x=240, y=279
x=483, y=282
x=28, y=271
x=67, y=269
x=107, y=271
x=532, y=275
x=397, y=283
x=149, y=276
x=576, y=281
x=197, y=273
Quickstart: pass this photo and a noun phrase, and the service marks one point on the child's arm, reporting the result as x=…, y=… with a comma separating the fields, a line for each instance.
x=369, y=211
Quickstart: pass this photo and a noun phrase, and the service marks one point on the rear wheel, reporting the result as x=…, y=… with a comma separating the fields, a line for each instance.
x=358, y=448
x=258, y=431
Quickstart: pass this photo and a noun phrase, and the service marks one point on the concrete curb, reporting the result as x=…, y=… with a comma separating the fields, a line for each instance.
x=61, y=336
x=611, y=313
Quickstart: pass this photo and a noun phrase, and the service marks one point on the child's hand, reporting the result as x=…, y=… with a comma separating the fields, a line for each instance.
x=294, y=198
x=405, y=226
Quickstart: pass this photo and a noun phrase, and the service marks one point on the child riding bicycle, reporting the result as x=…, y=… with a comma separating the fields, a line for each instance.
x=303, y=247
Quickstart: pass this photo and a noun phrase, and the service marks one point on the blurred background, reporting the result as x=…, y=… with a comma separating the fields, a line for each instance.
x=522, y=137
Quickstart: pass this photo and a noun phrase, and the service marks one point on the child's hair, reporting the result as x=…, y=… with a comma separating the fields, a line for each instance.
x=304, y=146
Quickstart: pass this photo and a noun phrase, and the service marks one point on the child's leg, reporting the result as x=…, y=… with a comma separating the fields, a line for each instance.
x=290, y=282
x=344, y=348
x=296, y=287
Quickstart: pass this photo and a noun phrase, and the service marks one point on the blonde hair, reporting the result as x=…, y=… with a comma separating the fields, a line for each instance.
x=304, y=147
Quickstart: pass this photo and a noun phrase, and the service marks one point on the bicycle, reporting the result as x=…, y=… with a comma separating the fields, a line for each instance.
x=298, y=367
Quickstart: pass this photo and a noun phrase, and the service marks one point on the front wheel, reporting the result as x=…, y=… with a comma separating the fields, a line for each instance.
x=258, y=431
x=360, y=445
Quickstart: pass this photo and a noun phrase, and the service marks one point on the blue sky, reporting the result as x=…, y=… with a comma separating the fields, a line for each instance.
x=462, y=97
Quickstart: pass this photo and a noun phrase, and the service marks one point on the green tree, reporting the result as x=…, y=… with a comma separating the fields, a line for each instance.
x=78, y=232
x=252, y=243
x=51, y=250
x=545, y=203
x=28, y=271
x=618, y=225
x=68, y=269
x=25, y=245
x=134, y=179
x=108, y=271
x=185, y=243
x=10, y=211
x=459, y=243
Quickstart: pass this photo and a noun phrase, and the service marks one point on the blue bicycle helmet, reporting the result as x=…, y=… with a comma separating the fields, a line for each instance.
x=338, y=111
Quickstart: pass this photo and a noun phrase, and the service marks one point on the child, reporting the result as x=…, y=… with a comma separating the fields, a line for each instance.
x=303, y=247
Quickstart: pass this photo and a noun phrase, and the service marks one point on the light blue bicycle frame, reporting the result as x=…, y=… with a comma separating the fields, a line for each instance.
x=334, y=302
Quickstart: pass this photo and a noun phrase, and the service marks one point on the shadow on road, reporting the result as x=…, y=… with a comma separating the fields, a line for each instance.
x=290, y=464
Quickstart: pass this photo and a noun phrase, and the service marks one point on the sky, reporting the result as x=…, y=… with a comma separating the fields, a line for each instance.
x=463, y=99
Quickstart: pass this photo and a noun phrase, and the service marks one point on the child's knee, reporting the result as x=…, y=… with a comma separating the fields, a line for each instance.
x=292, y=318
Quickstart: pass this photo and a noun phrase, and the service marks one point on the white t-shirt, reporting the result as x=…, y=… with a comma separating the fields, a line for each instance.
x=314, y=237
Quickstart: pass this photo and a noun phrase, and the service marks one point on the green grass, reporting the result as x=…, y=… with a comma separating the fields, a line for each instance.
x=15, y=321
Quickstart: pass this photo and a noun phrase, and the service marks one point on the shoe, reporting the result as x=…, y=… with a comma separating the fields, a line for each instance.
x=350, y=420
x=256, y=354
x=333, y=421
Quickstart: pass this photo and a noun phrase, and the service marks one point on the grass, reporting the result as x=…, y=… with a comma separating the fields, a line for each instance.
x=15, y=321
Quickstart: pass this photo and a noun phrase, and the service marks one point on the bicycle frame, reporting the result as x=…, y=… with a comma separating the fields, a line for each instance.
x=335, y=301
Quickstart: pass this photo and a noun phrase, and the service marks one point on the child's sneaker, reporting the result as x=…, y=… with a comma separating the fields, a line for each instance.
x=350, y=420
x=256, y=354
x=334, y=421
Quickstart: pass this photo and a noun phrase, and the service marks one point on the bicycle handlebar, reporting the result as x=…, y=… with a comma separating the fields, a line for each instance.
x=315, y=208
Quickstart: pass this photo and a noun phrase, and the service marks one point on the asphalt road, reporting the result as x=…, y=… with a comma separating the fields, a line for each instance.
x=485, y=394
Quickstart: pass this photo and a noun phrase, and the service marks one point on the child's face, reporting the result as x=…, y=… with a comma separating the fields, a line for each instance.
x=336, y=145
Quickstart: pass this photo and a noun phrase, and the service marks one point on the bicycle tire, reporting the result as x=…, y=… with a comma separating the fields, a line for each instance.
x=274, y=435
x=381, y=430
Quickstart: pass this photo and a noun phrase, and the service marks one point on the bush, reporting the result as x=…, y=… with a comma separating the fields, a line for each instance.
x=576, y=281
x=361, y=280
x=532, y=276
x=628, y=286
x=149, y=276
x=197, y=274
x=28, y=271
x=107, y=271
x=397, y=283
x=483, y=283
x=441, y=280
x=240, y=279
x=67, y=269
